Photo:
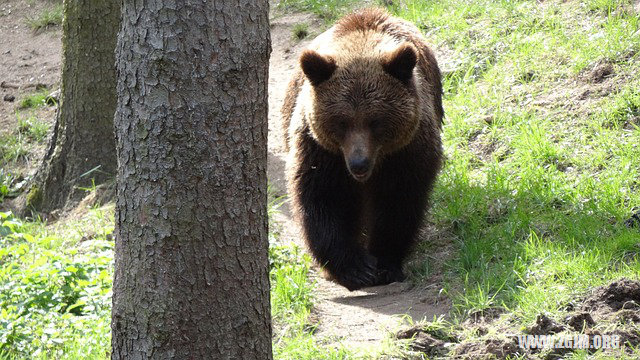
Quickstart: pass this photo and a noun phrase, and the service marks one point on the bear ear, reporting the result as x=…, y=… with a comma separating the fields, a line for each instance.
x=316, y=67
x=400, y=62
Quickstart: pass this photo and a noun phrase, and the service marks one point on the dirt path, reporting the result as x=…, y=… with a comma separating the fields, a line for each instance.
x=354, y=319
x=28, y=60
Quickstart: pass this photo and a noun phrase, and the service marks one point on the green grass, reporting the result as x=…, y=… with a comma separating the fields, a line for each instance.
x=38, y=99
x=47, y=18
x=19, y=146
x=291, y=302
x=535, y=182
x=16, y=146
x=538, y=182
x=5, y=183
x=300, y=31
x=55, y=290
x=542, y=169
x=328, y=10
x=13, y=147
x=292, y=290
x=33, y=128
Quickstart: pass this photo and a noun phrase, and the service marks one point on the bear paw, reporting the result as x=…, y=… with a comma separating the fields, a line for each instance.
x=361, y=273
x=389, y=273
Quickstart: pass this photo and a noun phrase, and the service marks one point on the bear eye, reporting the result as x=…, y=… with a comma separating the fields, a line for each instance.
x=342, y=124
x=375, y=124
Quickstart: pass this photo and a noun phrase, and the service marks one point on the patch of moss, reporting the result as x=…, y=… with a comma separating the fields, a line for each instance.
x=34, y=197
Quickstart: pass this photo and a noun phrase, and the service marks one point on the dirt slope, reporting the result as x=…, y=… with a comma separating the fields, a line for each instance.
x=27, y=59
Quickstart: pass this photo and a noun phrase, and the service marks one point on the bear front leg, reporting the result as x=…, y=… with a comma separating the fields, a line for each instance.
x=332, y=243
x=399, y=208
x=328, y=206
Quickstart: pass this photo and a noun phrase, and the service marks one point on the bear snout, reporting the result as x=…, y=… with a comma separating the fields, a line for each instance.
x=359, y=165
x=359, y=154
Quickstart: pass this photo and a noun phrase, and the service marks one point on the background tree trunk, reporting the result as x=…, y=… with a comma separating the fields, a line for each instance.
x=191, y=267
x=83, y=138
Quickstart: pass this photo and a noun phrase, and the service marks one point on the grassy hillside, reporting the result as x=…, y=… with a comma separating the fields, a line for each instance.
x=542, y=137
x=542, y=134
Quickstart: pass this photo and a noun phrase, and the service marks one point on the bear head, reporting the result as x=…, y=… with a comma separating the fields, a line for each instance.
x=362, y=103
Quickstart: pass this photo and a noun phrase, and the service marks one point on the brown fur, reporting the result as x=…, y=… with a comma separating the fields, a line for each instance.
x=293, y=89
x=362, y=121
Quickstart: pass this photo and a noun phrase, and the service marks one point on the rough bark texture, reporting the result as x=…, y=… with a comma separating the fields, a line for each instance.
x=191, y=268
x=83, y=138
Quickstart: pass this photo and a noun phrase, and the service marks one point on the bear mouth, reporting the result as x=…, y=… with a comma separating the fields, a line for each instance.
x=359, y=171
x=361, y=177
x=360, y=163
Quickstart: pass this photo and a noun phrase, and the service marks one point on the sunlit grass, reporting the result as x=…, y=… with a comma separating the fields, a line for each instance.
x=543, y=160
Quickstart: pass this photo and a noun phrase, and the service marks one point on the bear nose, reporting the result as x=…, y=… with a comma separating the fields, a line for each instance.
x=359, y=165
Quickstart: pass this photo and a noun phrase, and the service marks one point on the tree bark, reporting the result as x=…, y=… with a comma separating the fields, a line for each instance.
x=191, y=268
x=83, y=144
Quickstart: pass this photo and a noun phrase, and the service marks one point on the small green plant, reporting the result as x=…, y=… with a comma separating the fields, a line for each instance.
x=89, y=189
x=13, y=148
x=301, y=31
x=47, y=18
x=5, y=182
x=38, y=99
x=33, y=128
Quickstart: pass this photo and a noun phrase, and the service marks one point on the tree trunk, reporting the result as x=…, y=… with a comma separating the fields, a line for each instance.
x=83, y=143
x=191, y=268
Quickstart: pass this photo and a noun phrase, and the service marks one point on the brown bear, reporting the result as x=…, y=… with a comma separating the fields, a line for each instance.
x=362, y=118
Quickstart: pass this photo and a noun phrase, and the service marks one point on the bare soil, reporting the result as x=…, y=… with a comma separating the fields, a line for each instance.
x=28, y=60
x=612, y=309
